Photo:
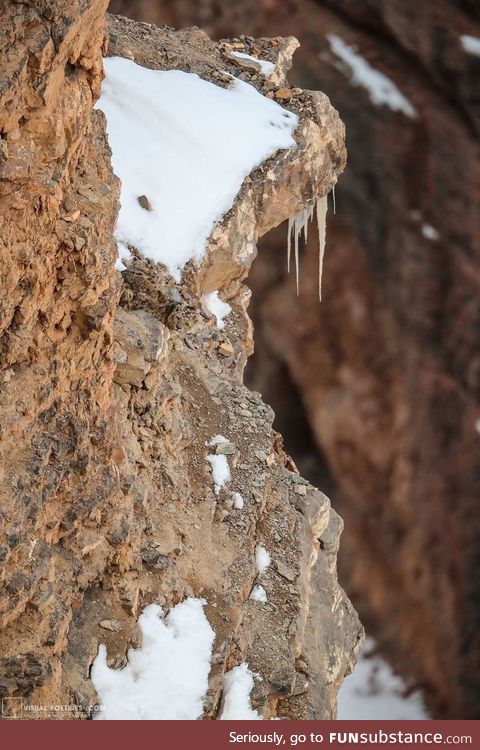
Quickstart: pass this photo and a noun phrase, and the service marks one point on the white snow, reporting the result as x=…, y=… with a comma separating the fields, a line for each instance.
x=220, y=468
x=430, y=233
x=262, y=559
x=186, y=145
x=220, y=471
x=237, y=686
x=167, y=677
x=259, y=595
x=238, y=501
x=217, y=307
x=373, y=691
x=471, y=44
x=266, y=67
x=381, y=90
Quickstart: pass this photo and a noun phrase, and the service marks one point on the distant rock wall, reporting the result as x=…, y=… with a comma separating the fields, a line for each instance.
x=111, y=386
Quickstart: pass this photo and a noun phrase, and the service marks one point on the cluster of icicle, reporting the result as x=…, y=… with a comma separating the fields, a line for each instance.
x=299, y=223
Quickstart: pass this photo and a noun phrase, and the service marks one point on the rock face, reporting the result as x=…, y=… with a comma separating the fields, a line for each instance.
x=112, y=385
x=388, y=369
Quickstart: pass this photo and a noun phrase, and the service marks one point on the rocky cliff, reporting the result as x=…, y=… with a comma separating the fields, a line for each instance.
x=113, y=384
x=386, y=373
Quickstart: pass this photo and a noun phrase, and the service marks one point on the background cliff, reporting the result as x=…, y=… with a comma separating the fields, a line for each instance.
x=121, y=394
x=377, y=390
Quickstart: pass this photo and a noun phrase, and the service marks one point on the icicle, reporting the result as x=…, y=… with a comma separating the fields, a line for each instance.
x=333, y=196
x=296, y=224
x=298, y=229
x=308, y=216
x=322, y=232
x=289, y=241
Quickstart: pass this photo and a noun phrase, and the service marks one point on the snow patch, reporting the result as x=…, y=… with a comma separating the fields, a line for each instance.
x=182, y=147
x=381, y=90
x=220, y=471
x=262, y=559
x=471, y=44
x=430, y=233
x=217, y=307
x=167, y=677
x=259, y=595
x=267, y=68
x=219, y=464
x=373, y=691
x=237, y=686
x=238, y=501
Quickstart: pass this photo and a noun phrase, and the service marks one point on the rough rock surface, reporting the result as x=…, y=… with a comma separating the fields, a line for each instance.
x=388, y=369
x=112, y=385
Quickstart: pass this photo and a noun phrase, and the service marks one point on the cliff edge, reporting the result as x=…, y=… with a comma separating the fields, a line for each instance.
x=136, y=467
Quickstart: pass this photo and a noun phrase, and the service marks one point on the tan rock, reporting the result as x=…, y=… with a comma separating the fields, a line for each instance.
x=105, y=423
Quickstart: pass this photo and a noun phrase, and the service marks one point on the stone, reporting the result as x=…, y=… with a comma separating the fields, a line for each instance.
x=284, y=571
x=141, y=340
x=226, y=349
x=226, y=449
x=145, y=203
x=300, y=489
x=114, y=625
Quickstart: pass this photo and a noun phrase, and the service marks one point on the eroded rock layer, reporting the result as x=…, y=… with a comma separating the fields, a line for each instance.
x=112, y=385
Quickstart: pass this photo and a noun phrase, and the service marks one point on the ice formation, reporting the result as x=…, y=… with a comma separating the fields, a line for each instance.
x=322, y=234
x=298, y=224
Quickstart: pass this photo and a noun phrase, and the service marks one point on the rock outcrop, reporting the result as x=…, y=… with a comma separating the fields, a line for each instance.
x=388, y=369
x=112, y=386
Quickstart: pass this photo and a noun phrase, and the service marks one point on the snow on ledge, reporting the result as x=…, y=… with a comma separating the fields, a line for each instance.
x=471, y=44
x=381, y=90
x=267, y=68
x=219, y=464
x=259, y=595
x=238, y=501
x=217, y=307
x=262, y=559
x=182, y=147
x=237, y=686
x=167, y=677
